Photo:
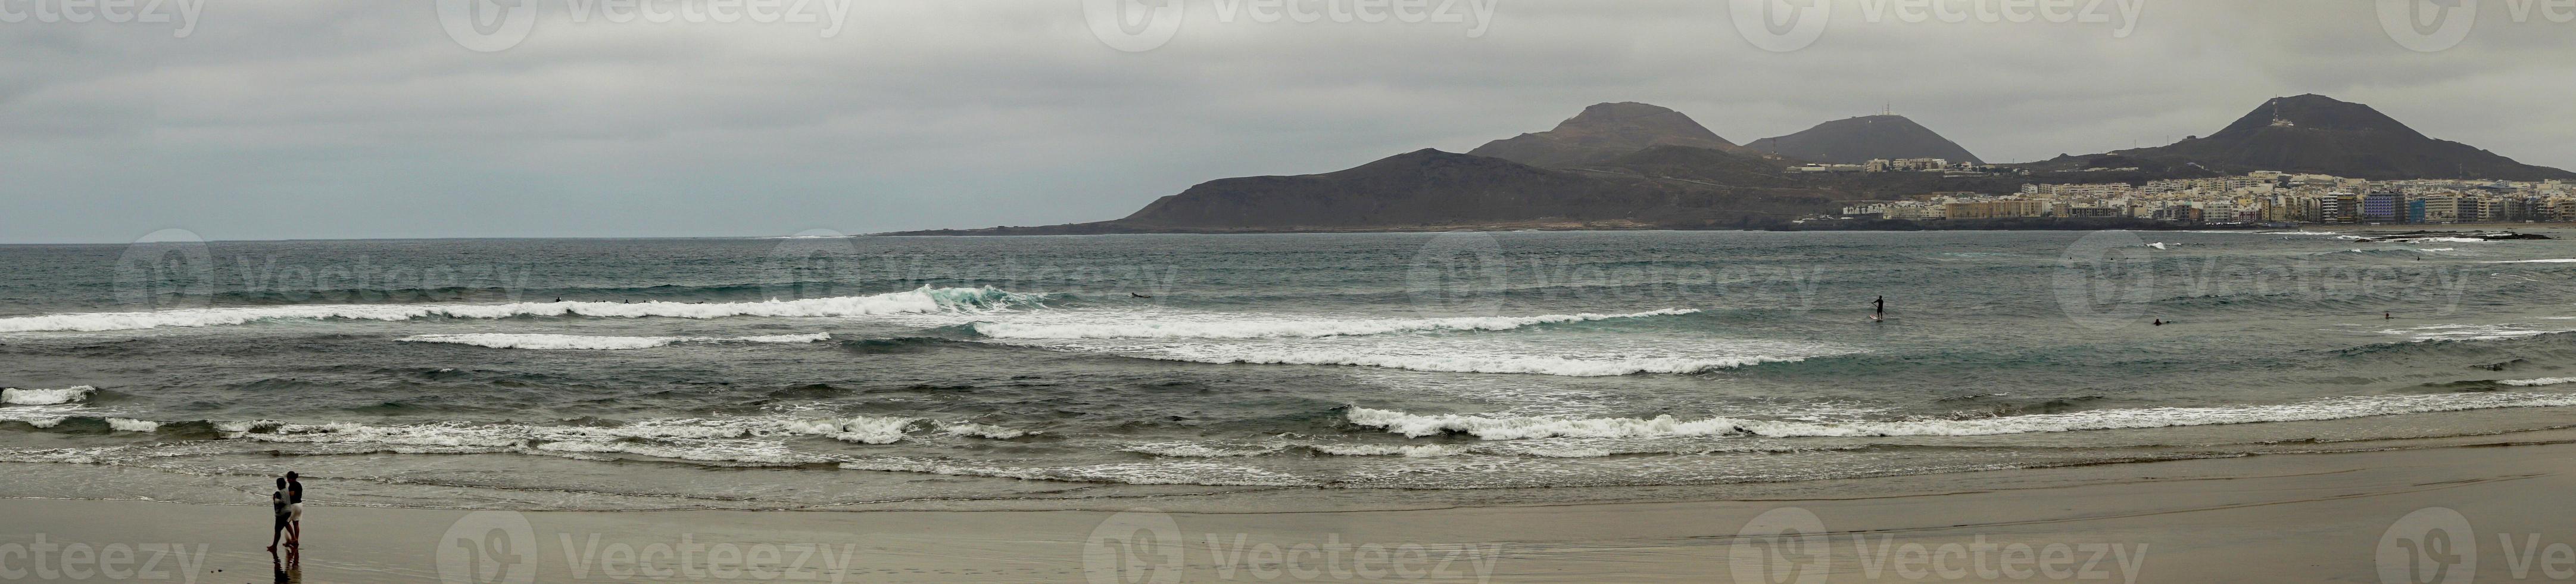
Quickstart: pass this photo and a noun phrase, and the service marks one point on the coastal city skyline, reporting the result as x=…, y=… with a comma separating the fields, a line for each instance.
x=2258, y=199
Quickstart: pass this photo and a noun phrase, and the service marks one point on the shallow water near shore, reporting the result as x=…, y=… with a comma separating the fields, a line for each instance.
x=822, y=372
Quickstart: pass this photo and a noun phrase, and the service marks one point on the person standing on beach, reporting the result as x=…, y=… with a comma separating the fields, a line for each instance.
x=277, y=506
x=294, y=511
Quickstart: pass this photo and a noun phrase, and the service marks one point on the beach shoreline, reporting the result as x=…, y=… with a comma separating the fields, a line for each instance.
x=2293, y=517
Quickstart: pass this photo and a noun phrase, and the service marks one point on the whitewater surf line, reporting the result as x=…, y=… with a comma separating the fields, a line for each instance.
x=1518, y=428
x=923, y=300
x=596, y=343
x=1497, y=364
x=45, y=397
x=1255, y=328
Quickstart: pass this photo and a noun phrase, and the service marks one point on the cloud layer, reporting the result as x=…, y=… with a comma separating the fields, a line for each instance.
x=274, y=119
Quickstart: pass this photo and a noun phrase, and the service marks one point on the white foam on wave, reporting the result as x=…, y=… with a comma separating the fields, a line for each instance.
x=2538, y=382
x=2418, y=250
x=1404, y=450
x=1559, y=448
x=1499, y=364
x=749, y=453
x=984, y=431
x=238, y=427
x=132, y=425
x=1667, y=426
x=1186, y=472
x=45, y=397
x=1275, y=327
x=1570, y=452
x=2469, y=332
x=1197, y=450
x=858, y=429
x=596, y=343
x=923, y=300
x=2548, y=261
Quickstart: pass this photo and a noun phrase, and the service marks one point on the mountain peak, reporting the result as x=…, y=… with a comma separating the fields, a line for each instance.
x=1860, y=139
x=1636, y=118
x=2319, y=134
x=1604, y=131
x=2315, y=112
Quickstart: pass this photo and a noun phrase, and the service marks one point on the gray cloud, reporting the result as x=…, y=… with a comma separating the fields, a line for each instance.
x=294, y=120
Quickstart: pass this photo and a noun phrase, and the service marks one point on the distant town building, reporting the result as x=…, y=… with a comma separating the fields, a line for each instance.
x=2255, y=198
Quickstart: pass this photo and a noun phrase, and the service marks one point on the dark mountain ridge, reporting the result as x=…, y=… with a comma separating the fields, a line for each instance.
x=1861, y=139
x=2322, y=135
x=1634, y=166
x=1602, y=132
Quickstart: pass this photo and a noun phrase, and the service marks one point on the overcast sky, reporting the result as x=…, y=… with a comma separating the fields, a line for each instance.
x=298, y=119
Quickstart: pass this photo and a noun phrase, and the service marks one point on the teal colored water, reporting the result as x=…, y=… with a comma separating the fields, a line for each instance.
x=809, y=372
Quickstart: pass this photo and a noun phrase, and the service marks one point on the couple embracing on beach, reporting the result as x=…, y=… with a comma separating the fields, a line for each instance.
x=288, y=505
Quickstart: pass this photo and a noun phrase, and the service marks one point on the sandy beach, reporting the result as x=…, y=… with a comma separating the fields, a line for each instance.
x=2277, y=518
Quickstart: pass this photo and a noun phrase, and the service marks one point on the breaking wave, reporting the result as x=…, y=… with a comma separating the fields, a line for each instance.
x=923, y=300
x=857, y=429
x=2538, y=382
x=594, y=343
x=45, y=397
x=1517, y=428
x=132, y=425
x=1261, y=329
x=1499, y=364
x=703, y=439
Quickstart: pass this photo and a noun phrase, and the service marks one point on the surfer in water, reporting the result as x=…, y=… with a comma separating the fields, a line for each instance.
x=1138, y=295
x=1878, y=311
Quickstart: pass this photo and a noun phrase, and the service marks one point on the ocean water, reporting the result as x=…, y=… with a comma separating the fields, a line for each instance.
x=821, y=372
